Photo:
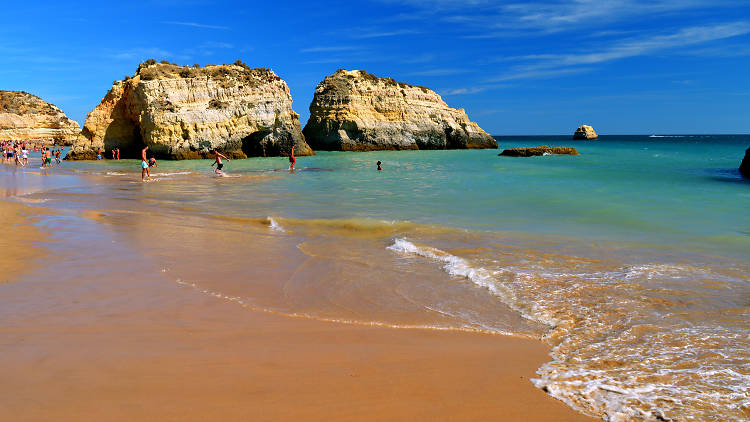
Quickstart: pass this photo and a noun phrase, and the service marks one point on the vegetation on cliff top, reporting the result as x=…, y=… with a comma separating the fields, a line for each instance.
x=239, y=71
x=21, y=102
x=340, y=79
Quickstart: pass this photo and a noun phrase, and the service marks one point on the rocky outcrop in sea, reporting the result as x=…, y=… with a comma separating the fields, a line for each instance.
x=745, y=165
x=184, y=112
x=26, y=117
x=357, y=111
x=540, y=150
x=585, y=132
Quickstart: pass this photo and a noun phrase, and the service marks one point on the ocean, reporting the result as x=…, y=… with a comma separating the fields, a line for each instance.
x=631, y=260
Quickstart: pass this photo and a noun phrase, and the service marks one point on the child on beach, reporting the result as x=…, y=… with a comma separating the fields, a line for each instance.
x=25, y=156
x=57, y=156
x=217, y=161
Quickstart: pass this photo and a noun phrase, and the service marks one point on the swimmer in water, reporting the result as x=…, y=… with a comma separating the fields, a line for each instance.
x=379, y=168
x=217, y=161
x=292, y=161
x=144, y=165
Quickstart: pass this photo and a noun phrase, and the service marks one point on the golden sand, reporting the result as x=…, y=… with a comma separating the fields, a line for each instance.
x=131, y=347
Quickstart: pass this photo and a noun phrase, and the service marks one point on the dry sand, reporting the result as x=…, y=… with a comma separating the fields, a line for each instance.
x=137, y=346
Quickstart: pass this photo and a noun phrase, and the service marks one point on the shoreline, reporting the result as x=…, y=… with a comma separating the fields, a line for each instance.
x=111, y=343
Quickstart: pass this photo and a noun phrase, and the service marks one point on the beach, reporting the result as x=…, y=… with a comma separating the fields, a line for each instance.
x=87, y=336
x=451, y=285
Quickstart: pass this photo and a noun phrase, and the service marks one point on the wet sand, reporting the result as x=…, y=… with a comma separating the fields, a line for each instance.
x=120, y=343
x=17, y=251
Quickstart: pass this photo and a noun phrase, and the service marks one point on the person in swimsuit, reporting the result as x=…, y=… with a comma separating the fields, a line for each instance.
x=217, y=161
x=118, y=153
x=57, y=156
x=144, y=165
x=48, y=157
x=152, y=162
x=25, y=156
x=379, y=168
x=292, y=160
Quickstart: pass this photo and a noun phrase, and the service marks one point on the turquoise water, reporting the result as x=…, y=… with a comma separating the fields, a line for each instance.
x=681, y=192
x=631, y=260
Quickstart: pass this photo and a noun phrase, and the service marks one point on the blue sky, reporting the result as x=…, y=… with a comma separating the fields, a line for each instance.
x=543, y=67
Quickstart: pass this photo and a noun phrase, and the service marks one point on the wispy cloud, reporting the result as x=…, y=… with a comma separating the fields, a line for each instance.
x=382, y=34
x=196, y=25
x=463, y=91
x=492, y=19
x=638, y=47
x=331, y=48
x=440, y=72
x=540, y=74
x=140, y=54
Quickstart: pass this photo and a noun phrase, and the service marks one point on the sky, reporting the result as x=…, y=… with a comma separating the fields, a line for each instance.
x=518, y=68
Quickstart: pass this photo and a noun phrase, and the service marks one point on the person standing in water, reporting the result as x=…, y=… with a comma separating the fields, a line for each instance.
x=379, y=168
x=219, y=165
x=292, y=160
x=144, y=165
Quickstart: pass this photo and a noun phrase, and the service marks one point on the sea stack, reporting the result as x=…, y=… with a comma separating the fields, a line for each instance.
x=185, y=112
x=26, y=117
x=745, y=165
x=357, y=111
x=585, y=132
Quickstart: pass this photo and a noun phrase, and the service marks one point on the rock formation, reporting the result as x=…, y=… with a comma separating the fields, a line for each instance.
x=540, y=150
x=184, y=112
x=745, y=165
x=356, y=111
x=585, y=132
x=26, y=117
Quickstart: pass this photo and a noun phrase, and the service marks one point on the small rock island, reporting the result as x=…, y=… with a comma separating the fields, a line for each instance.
x=184, y=112
x=540, y=150
x=585, y=132
x=26, y=117
x=357, y=111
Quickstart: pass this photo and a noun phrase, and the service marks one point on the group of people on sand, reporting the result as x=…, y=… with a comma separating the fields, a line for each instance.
x=19, y=152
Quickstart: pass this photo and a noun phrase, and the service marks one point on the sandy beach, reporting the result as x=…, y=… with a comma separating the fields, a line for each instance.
x=115, y=343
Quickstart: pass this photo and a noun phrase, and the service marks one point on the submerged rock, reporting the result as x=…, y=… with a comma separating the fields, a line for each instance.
x=26, y=117
x=357, y=111
x=745, y=165
x=540, y=150
x=585, y=132
x=184, y=112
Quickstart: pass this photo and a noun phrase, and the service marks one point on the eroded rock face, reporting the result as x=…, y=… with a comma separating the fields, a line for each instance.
x=540, y=150
x=356, y=111
x=585, y=132
x=184, y=112
x=26, y=117
x=745, y=165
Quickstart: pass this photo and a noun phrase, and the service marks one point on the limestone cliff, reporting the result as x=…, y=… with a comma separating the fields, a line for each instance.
x=184, y=112
x=26, y=117
x=585, y=132
x=356, y=111
x=745, y=165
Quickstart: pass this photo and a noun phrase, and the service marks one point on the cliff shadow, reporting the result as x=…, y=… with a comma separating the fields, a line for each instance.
x=257, y=144
x=127, y=137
